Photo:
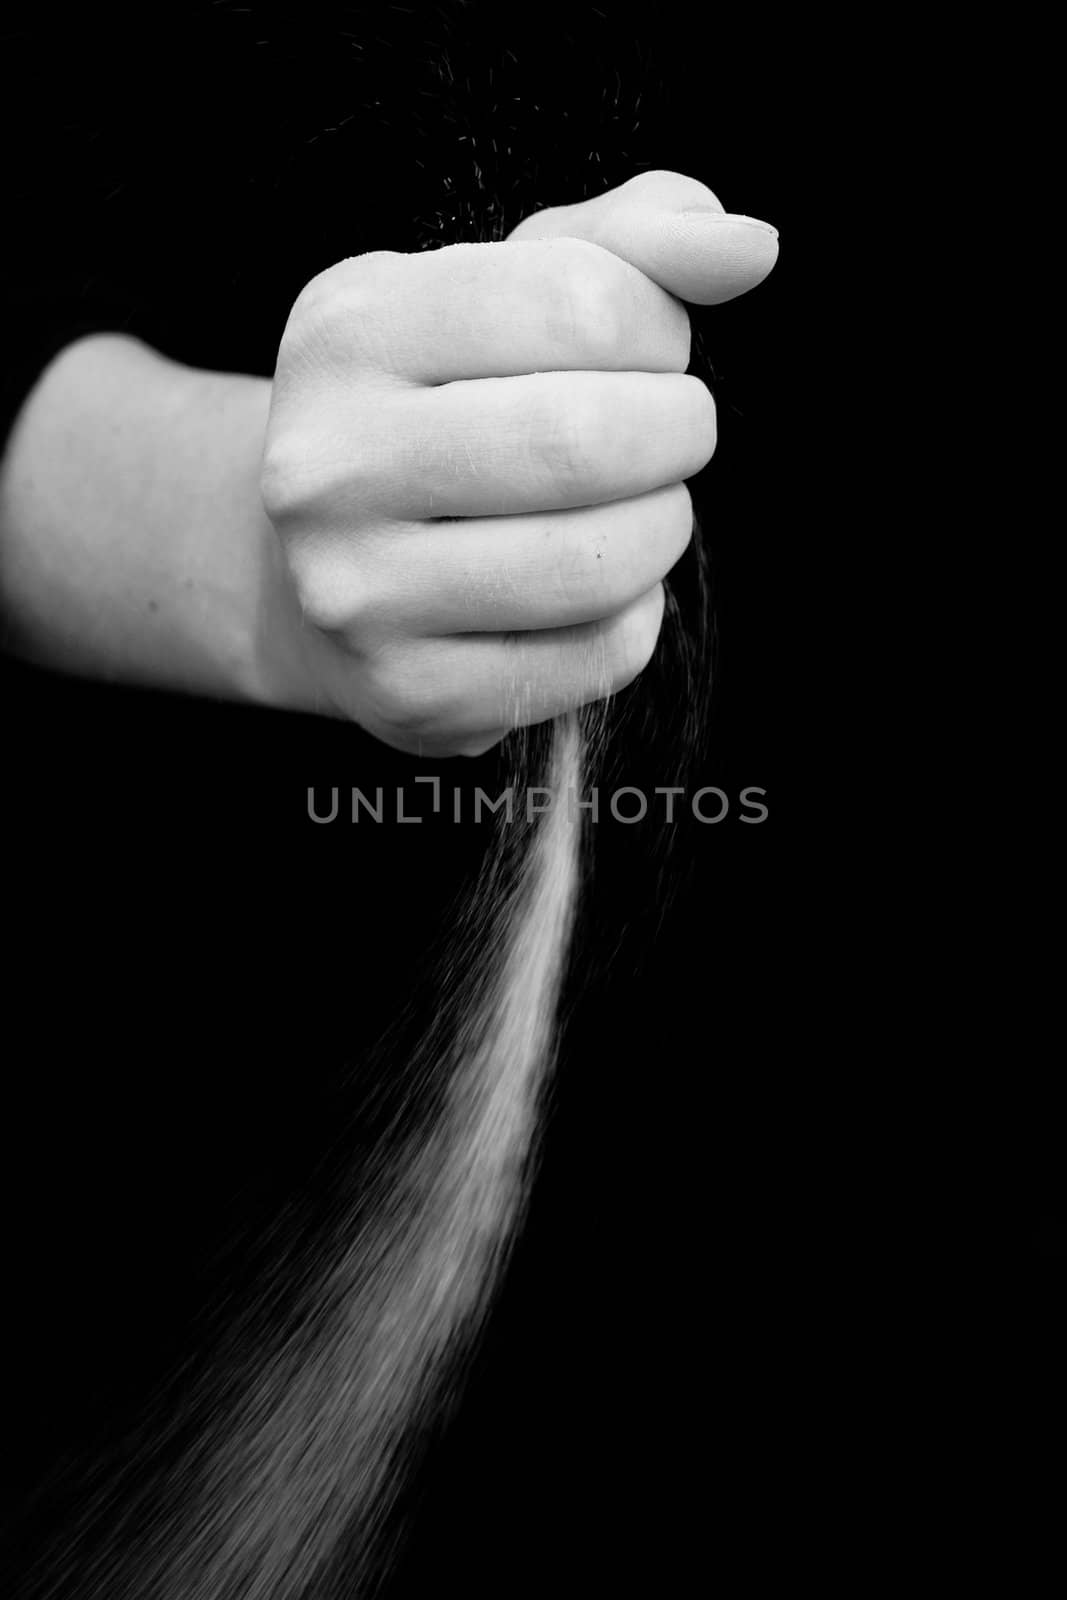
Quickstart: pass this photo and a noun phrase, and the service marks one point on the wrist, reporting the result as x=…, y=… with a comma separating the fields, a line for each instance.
x=270, y=649
x=133, y=541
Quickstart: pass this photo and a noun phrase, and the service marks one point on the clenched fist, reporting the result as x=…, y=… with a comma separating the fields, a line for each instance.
x=476, y=458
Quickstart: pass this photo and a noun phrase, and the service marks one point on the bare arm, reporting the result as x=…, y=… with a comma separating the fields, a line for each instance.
x=133, y=542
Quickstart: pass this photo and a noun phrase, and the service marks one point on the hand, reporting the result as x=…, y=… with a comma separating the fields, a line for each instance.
x=476, y=460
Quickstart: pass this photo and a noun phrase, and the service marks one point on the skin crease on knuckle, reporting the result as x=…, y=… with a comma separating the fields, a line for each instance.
x=337, y=319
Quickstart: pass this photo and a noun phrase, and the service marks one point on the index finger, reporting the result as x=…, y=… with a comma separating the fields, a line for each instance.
x=502, y=311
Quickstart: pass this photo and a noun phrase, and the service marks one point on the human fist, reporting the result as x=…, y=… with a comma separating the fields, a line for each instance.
x=476, y=460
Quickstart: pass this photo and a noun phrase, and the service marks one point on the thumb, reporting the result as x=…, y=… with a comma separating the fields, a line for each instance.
x=672, y=229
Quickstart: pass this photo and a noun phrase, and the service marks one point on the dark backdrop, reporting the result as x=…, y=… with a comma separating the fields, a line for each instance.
x=734, y=1337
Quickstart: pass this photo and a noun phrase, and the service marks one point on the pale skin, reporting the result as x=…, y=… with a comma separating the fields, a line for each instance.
x=280, y=542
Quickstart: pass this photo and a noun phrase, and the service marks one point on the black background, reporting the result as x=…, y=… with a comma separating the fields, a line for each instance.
x=789, y=1279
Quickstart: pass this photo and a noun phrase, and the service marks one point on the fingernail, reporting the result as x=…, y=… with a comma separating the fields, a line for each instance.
x=730, y=216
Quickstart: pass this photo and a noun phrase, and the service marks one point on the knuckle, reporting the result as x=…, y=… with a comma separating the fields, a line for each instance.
x=281, y=478
x=354, y=278
x=406, y=698
x=360, y=289
x=319, y=592
x=316, y=469
x=344, y=302
x=335, y=593
x=315, y=306
x=304, y=468
x=311, y=303
x=593, y=301
x=572, y=448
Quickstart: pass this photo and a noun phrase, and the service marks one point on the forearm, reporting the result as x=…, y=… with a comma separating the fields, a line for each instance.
x=133, y=542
